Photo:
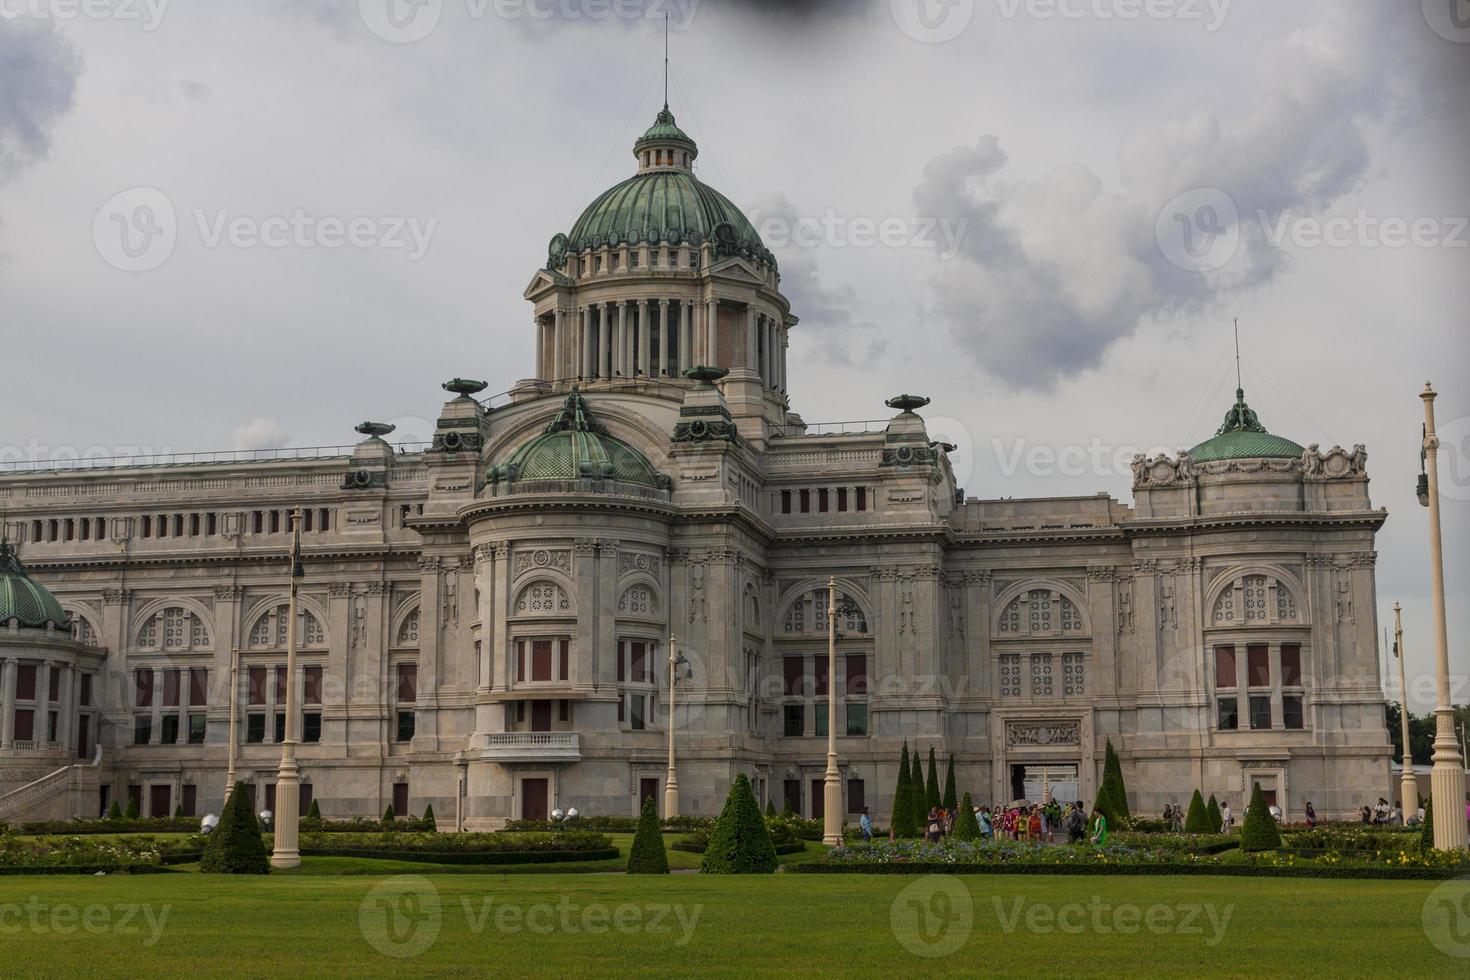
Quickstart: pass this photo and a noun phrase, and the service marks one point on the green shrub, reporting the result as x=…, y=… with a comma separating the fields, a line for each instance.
x=950, y=800
x=1216, y=818
x=115, y=813
x=388, y=816
x=1426, y=830
x=1260, y=832
x=740, y=842
x=770, y=808
x=178, y=811
x=1112, y=795
x=902, y=817
x=966, y=826
x=131, y=812
x=695, y=842
x=933, y=792
x=428, y=817
x=647, y=856
x=918, y=795
x=236, y=847
x=315, y=813
x=1197, y=820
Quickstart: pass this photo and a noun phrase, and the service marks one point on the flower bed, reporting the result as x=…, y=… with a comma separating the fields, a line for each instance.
x=368, y=825
x=1179, y=843
x=75, y=828
x=1351, y=840
x=84, y=855
x=498, y=848
x=697, y=842
x=615, y=825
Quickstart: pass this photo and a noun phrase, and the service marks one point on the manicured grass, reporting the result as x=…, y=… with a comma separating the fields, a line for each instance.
x=783, y=924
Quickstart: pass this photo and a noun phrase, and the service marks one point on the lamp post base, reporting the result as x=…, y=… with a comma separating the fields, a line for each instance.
x=832, y=806
x=671, y=795
x=287, y=853
x=1447, y=785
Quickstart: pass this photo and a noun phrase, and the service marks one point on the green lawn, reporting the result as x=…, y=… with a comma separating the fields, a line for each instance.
x=616, y=925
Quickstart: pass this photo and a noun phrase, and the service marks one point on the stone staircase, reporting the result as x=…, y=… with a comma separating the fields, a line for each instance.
x=20, y=803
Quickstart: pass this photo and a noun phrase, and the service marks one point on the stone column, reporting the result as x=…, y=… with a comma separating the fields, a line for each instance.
x=604, y=345
x=587, y=342
x=66, y=708
x=773, y=353
x=686, y=317
x=661, y=362
x=644, y=361
x=559, y=345
x=781, y=342
x=42, y=724
x=155, y=710
x=752, y=346
x=7, y=703
x=712, y=333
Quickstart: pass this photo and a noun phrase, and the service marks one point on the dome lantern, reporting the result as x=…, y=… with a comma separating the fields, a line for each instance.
x=1242, y=436
x=664, y=146
x=23, y=600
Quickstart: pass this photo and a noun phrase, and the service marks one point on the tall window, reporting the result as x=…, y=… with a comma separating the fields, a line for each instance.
x=1010, y=675
x=1041, y=676
x=1074, y=675
x=1224, y=668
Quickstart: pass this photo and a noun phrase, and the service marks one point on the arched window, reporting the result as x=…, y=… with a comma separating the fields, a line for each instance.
x=1041, y=611
x=752, y=609
x=636, y=600
x=851, y=619
x=541, y=598
x=1255, y=602
x=408, y=631
x=173, y=628
x=82, y=630
x=270, y=629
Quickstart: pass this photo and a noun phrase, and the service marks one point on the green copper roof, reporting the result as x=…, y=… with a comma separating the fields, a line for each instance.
x=1242, y=436
x=23, y=599
x=665, y=130
x=665, y=206
x=576, y=446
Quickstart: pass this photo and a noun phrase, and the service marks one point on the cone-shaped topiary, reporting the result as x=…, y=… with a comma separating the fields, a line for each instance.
x=315, y=813
x=933, y=792
x=1213, y=814
x=902, y=817
x=388, y=816
x=178, y=811
x=739, y=843
x=115, y=812
x=1426, y=829
x=1112, y=796
x=770, y=808
x=236, y=847
x=918, y=796
x=429, y=820
x=950, y=801
x=966, y=826
x=1260, y=832
x=1197, y=820
x=132, y=811
x=647, y=856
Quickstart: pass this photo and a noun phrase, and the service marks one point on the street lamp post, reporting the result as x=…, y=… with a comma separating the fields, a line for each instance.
x=671, y=778
x=288, y=777
x=1408, y=785
x=832, y=787
x=234, y=711
x=1447, y=779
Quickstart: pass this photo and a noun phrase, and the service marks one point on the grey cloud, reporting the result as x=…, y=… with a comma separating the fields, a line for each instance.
x=38, y=76
x=818, y=305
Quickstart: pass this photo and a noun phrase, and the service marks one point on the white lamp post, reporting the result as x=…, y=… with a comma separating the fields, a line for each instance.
x=671, y=778
x=832, y=786
x=1408, y=785
x=234, y=706
x=1447, y=780
x=288, y=779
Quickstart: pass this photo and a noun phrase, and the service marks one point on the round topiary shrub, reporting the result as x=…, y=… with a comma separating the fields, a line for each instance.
x=236, y=847
x=739, y=842
x=647, y=856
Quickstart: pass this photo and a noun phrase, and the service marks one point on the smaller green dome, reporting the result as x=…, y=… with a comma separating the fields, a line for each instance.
x=575, y=446
x=23, y=599
x=1242, y=436
x=664, y=130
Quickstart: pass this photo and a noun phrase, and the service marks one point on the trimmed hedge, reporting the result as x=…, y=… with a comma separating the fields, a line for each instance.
x=1112, y=796
x=80, y=828
x=464, y=857
x=740, y=843
x=235, y=847
x=82, y=869
x=1197, y=820
x=902, y=817
x=1240, y=870
x=571, y=842
x=364, y=825
x=647, y=856
x=1260, y=832
x=966, y=824
x=1217, y=819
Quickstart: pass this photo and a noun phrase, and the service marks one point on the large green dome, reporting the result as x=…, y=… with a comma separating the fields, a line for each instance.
x=575, y=446
x=23, y=599
x=1242, y=436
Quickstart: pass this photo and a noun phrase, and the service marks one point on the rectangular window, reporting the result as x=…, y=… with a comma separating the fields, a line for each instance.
x=819, y=718
x=313, y=685
x=311, y=727
x=84, y=697
x=189, y=799
x=521, y=661
x=862, y=498
x=841, y=499
x=857, y=798
x=280, y=685
x=638, y=663
x=1010, y=675
x=857, y=675
x=25, y=724
x=541, y=660
x=1291, y=711
x=1225, y=668
x=144, y=689
x=564, y=710
x=564, y=659
x=171, y=688
x=622, y=710
x=25, y=682
x=255, y=685
x=622, y=661
x=1074, y=675
x=857, y=718
x=168, y=732
x=1260, y=711
x=819, y=672
x=1291, y=665
x=198, y=687
x=255, y=728
x=53, y=690
x=142, y=729
x=405, y=726
x=785, y=501
x=1258, y=665
x=280, y=727
x=636, y=718
x=53, y=720
x=408, y=683
x=795, y=715
x=198, y=725
x=793, y=669
x=1228, y=714
x=806, y=501
x=822, y=500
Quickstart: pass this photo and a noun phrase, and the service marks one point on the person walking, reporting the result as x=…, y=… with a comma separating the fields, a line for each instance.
x=1033, y=825
x=1311, y=817
x=1099, y=828
x=983, y=818
x=1076, y=823
x=934, y=825
x=1227, y=819
x=865, y=824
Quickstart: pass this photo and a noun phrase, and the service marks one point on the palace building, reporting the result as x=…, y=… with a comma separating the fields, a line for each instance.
x=486, y=621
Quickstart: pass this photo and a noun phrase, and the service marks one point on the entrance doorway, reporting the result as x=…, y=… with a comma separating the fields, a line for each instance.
x=1038, y=781
x=159, y=798
x=534, y=796
x=647, y=788
x=540, y=716
x=819, y=798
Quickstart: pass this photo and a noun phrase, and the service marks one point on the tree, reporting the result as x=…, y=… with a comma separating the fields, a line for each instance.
x=1197, y=820
x=429, y=820
x=388, y=816
x=1260, y=832
x=179, y=811
x=966, y=827
x=739, y=843
x=1112, y=796
x=115, y=812
x=933, y=794
x=902, y=817
x=1426, y=829
x=236, y=847
x=647, y=856
x=950, y=802
x=770, y=808
x=1217, y=819
x=918, y=795
x=132, y=811
x=315, y=813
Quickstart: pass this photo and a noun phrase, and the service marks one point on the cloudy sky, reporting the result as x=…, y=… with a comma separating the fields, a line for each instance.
x=256, y=224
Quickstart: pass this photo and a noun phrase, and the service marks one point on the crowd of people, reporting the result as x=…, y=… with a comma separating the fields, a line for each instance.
x=1018, y=821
